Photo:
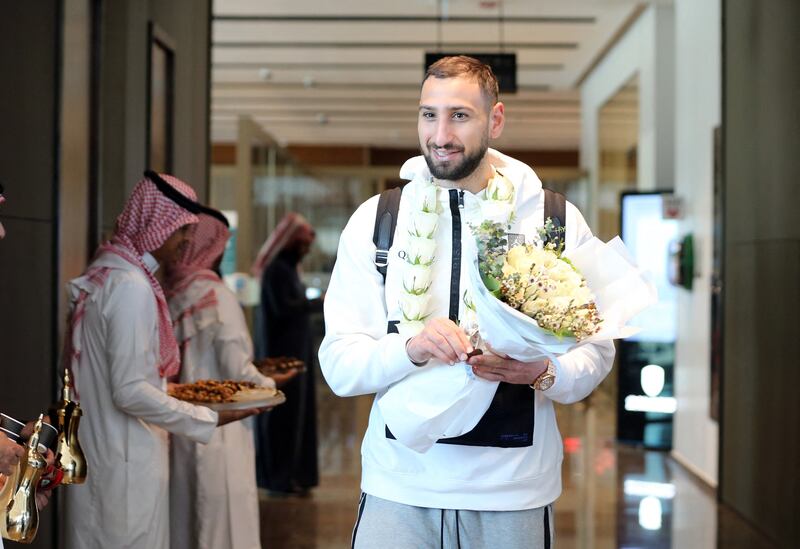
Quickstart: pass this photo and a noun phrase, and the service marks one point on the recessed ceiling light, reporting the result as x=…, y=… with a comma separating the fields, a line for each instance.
x=265, y=73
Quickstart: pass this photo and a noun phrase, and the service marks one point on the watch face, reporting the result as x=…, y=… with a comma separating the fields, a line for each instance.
x=546, y=382
x=546, y=379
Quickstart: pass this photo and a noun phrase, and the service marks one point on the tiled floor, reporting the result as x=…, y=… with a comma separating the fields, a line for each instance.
x=614, y=495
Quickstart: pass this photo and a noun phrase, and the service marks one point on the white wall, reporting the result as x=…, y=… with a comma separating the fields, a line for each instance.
x=123, y=93
x=647, y=50
x=675, y=50
x=698, y=106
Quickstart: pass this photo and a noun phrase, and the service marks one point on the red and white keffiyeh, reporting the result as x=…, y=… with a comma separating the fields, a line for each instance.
x=292, y=227
x=209, y=237
x=147, y=221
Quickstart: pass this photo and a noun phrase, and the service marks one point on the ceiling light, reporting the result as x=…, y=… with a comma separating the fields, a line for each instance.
x=264, y=73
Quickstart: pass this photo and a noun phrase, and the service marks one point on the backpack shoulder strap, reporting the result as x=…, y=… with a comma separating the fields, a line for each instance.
x=555, y=208
x=385, y=223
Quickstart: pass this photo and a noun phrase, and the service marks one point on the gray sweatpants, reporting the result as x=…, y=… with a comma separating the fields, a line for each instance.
x=383, y=524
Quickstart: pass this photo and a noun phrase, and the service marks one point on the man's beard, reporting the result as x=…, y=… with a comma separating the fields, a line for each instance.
x=460, y=170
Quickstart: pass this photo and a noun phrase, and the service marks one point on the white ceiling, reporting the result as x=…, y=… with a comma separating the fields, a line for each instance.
x=348, y=71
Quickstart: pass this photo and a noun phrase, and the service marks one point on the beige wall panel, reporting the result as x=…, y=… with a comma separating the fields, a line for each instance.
x=761, y=124
x=760, y=448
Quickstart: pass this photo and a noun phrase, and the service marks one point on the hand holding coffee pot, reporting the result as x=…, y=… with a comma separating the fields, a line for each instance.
x=10, y=454
x=21, y=520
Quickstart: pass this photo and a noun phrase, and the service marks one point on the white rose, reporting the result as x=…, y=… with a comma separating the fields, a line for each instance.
x=414, y=307
x=496, y=212
x=423, y=224
x=416, y=278
x=500, y=188
x=518, y=259
x=410, y=329
x=549, y=260
x=583, y=296
x=561, y=303
x=561, y=272
x=420, y=250
x=530, y=307
x=426, y=199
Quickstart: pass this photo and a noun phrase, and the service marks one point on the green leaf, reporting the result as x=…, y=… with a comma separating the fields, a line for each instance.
x=491, y=283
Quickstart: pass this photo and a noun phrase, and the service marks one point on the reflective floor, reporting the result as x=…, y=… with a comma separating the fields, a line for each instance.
x=614, y=495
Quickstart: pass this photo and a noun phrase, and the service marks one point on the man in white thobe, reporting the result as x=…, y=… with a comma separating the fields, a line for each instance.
x=213, y=497
x=121, y=350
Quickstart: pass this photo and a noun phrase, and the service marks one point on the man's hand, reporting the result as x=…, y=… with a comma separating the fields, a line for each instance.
x=43, y=498
x=503, y=368
x=10, y=454
x=282, y=378
x=229, y=416
x=43, y=494
x=441, y=339
x=27, y=431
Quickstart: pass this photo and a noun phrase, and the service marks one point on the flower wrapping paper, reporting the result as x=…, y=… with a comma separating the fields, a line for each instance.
x=443, y=401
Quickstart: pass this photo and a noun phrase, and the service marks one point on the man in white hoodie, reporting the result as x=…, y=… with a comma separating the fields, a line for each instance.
x=494, y=485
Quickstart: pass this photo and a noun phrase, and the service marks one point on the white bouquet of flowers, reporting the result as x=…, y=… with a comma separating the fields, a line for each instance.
x=529, y=302
x=534, y=301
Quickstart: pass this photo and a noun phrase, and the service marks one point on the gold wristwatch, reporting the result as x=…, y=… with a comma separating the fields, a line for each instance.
x=546, y=378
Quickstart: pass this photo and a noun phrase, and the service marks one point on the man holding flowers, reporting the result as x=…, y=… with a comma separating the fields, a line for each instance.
x=494, y=485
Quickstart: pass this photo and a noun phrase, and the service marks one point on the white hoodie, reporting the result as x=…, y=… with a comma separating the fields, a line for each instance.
x=358, y=357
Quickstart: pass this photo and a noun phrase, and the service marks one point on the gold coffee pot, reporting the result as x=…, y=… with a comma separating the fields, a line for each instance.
x=69, y=454
x=21, y=520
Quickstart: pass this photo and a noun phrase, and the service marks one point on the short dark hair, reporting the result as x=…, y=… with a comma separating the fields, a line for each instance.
x=469, y=67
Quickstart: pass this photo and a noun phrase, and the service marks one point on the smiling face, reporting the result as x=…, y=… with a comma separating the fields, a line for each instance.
x=455, y=125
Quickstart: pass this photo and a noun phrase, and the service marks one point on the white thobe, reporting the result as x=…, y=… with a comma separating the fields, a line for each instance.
x=126, y=416
x=213, y=495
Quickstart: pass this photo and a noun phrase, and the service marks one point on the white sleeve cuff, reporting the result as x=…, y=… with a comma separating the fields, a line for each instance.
x=396, y=356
